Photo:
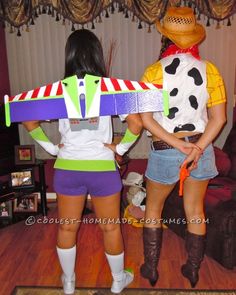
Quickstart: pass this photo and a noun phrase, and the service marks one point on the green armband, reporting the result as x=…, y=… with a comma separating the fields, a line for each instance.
x=127, y=141
x=38, y=135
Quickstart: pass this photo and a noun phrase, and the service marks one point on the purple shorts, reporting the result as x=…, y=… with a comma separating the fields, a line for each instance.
x=77, y=183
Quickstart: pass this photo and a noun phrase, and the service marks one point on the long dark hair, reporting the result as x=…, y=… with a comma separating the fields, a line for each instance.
x=84, y=55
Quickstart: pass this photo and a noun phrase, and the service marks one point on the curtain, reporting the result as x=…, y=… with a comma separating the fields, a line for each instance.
x=18, y=13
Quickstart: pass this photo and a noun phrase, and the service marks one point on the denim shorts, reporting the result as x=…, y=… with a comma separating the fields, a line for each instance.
x=78, y=183
x=164, y=165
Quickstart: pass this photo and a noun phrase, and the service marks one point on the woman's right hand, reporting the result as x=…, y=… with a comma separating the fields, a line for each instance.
x=192, y=159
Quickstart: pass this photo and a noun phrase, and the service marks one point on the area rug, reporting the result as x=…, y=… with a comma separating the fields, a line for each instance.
x=90, y=291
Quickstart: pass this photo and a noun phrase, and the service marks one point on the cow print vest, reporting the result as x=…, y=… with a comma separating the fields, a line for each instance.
x=184, y=77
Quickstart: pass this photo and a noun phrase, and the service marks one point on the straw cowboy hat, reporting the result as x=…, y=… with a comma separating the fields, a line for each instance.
x=179, y=25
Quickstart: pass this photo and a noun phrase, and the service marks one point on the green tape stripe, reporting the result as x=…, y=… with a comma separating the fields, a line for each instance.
x=165, y=102
x=72, y=91
x=129, y=137
x=92, y=83
x=7, y=114
x=85, y=165
x=38, y=134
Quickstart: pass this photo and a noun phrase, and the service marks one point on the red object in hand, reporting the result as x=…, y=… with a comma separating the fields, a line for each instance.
x=183, y=174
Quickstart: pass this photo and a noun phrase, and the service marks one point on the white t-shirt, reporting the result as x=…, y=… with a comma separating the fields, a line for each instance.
x=83, y=142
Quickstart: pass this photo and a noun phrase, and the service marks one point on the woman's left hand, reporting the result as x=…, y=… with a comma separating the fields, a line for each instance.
x=186, y=147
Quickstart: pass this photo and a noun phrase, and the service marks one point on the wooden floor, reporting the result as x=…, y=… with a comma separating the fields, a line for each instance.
x=28, y=257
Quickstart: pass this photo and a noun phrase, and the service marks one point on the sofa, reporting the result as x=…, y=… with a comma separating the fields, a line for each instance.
x=220, y=207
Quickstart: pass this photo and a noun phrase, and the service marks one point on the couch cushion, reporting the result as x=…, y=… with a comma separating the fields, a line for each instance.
x=230, y=149
x=232, y=171
x=223, y=162
x=223, y=181
x=216, y=195
x=211, y=201
x=230, y=143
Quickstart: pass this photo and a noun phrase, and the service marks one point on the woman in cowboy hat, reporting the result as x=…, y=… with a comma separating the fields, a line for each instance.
x=196, y=114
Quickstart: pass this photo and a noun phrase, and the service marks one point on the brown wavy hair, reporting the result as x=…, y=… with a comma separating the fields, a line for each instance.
x=165, y=43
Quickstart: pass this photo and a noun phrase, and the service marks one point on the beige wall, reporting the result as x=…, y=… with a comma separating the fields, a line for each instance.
x=37, y=58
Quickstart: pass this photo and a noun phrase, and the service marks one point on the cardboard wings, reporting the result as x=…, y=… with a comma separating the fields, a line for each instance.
x=85, y=98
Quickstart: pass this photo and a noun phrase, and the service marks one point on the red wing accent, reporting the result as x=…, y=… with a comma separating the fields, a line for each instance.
x=59, y=89
x=48, y=90
x=115, y=84
x=11, y=98
x=103, y=85
x=129, y=85
x=143, y=85
x=23, y=95
x=158, y=86
x=35, y=93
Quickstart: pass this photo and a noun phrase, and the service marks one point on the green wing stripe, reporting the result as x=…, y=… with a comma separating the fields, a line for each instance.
x=91, y=85
x=165, y=102
x=7, y=114
x=38, y=134
x=72, y=90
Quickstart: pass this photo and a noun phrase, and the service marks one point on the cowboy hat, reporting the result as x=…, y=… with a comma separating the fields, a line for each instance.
x=179, y=25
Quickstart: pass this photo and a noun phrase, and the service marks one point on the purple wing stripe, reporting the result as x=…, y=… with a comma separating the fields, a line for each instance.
x=38, y=110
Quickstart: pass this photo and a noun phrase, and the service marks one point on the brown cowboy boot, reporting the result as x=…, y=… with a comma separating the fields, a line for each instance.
x=152, y=240
x=195, y=246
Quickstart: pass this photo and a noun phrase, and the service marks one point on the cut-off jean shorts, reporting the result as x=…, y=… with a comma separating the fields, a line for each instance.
x=164, y=165
x=80, y=183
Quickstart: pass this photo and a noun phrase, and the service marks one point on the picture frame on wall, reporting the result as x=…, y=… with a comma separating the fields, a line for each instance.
x=6, y=210
x=24, y=154
x=26, y=203
x=22, y=179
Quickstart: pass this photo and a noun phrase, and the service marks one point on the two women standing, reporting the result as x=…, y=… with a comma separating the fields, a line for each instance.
x=85, y=157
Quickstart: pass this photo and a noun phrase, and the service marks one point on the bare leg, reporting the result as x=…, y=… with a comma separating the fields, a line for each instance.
x=108, y=208
x=69, y=208
x=194, y=193
x=156, y=196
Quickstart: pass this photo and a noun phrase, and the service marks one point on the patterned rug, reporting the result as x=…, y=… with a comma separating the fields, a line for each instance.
x=89, y=291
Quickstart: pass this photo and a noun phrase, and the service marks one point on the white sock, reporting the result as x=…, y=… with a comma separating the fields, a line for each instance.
x=116, y=263
x=67, y=261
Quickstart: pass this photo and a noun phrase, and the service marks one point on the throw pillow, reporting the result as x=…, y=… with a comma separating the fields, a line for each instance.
x=232, y=172
x=223, y=162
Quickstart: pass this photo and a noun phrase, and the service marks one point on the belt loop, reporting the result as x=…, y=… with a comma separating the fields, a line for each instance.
x=152, y=147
